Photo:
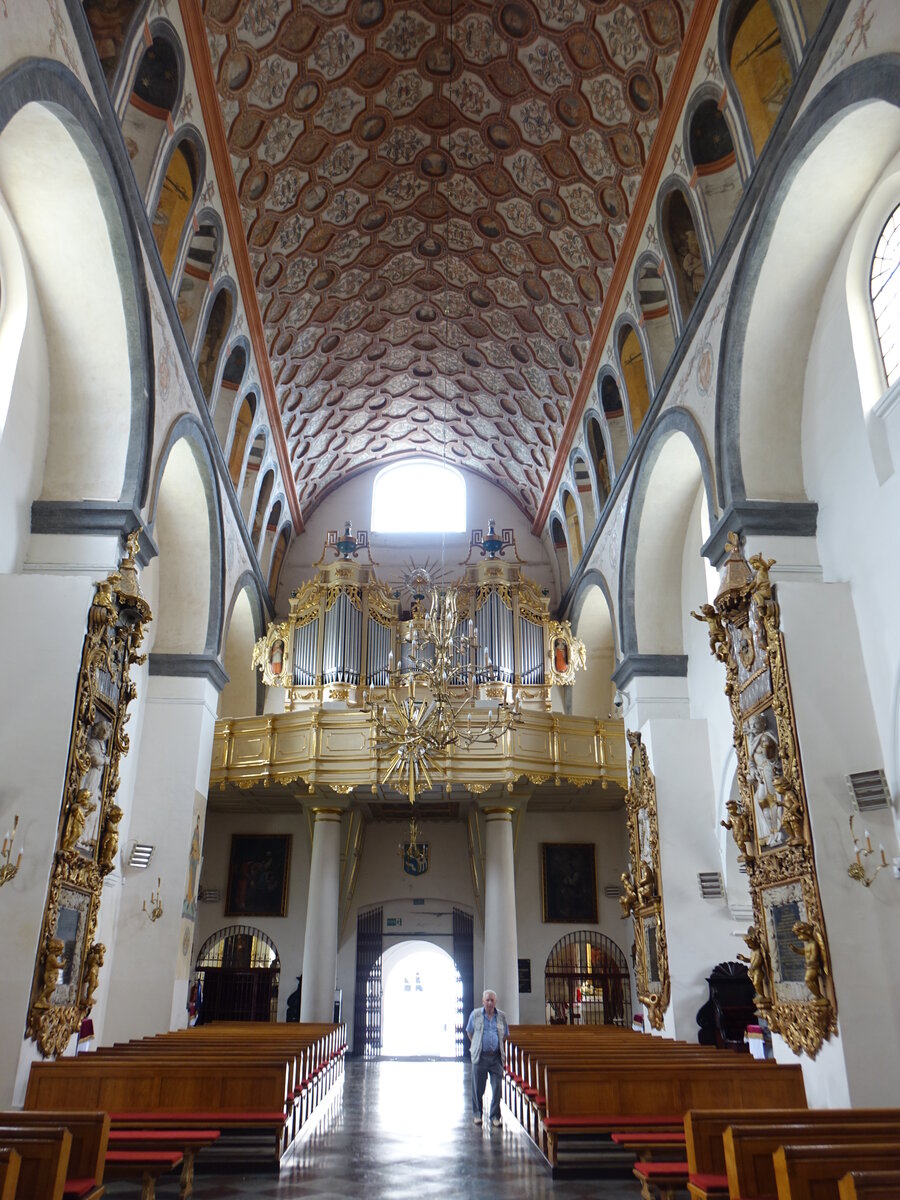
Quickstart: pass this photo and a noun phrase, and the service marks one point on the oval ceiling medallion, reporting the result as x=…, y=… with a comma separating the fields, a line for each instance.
x=480, y=298
x=519, y=353
x=237, y=70
x=368, y=13
x=488, y=227
x=375, y=353
x=613, y=203
x=571, y=110
x=500, y=135
x=550, y=211
x=330, y=343
x=322, y=278
x=255, y=184
x=534, y=288
x=305, y=96
x=314, y=197
x=434, y=164
x=422, y=372
x=371, y=128
x=470, y=358
x=589, y=287
x=567, y=354
x=428, y=247
x=641, y=93
x=376, y=290
x=439, y=59
x=515, y=20
x=426, y=314
x=373, y=219
x=270, y=272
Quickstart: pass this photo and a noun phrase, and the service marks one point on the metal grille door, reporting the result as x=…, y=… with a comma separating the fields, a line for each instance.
x=586, y=982
x=463, y=956
x=367, y=1004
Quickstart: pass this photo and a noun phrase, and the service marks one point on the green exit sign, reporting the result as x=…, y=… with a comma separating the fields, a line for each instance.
x=394, y=921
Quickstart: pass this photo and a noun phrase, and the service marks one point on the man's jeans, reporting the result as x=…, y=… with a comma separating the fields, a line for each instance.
x=488, y=1064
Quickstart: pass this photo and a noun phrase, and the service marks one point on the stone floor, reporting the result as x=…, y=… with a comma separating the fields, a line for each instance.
x=402, y=1129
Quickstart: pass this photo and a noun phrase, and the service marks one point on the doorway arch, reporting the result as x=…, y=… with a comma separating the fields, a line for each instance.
x=238, y=970
x=586, y=981
x=421, y=1001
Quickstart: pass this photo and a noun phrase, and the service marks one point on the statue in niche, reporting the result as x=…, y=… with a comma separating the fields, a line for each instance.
x=96, y=752
x=814, y=957
x=692, y=260
x=53, y=966
x=92, y=965
x=762, y=755
x=629, y=896
x=757, y=963
x=739, y=824
x=792, y=830
x=109, y=843
x=79, y=811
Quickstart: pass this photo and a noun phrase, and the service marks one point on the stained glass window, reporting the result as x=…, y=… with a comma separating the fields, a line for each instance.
x=885, y=292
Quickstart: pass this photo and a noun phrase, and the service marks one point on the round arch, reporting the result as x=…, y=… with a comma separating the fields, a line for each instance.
x=587, y=981
x=244, y=624
x=593, y=621
x=222, y=967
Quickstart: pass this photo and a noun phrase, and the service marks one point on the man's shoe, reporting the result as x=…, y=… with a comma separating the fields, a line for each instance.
x=496, y=1122
x=477, y=1120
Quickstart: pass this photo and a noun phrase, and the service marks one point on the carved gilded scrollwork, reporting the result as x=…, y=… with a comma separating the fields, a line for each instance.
x=788, y=963
x=67, y=967
x=272, y=654
x=641, y=897
x=567, y=653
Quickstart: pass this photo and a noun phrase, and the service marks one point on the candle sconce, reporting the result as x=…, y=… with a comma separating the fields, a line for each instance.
x=9, y=869
x=857, y=870
x=155, y=911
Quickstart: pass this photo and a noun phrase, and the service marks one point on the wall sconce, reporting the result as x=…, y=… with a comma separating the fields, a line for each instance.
x=155, y=911
x=857, y=870
x=9, y=868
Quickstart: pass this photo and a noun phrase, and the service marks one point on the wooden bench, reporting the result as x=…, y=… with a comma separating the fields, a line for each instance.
x=813, y=1172
x=870, y=1185
x=44, y=1160
x=186, y=1142
x=90, y=1133
x=10, y=1162
x=750, y=1148
x=147, y=1165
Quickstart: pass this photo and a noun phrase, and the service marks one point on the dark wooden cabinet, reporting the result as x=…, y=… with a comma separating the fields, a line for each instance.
x=725, y=1016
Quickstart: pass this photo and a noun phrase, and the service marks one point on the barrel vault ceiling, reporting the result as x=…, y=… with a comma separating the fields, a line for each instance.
x=434, y=193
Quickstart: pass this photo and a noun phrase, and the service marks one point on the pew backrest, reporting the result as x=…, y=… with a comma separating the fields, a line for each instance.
x=44, y=1160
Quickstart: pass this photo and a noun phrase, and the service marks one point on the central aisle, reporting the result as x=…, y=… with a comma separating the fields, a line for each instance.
x=404, y=1129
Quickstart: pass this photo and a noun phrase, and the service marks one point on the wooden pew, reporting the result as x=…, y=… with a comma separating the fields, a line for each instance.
x=870, y=1185
x=185, y=1142
x=146, y=1165
x=44, y=1160
x=813, y=1172
x=10, y=1162
x=87, y=1154
x=749, y=1148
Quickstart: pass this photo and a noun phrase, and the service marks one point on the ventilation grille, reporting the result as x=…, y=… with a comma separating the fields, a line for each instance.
x=140, y=855
x=612, y=891
x=209, y=895
x=741, y=912
x=710, y=885
x=869, y=790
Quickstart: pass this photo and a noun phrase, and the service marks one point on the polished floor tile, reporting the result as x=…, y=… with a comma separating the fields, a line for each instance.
x=401, y=1129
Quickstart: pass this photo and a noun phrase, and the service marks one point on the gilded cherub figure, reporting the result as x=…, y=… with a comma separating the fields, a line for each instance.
x=646, y=883
x=718, y=638
x=739, y=824
x=629, y=897
x=813, y=951
x=82, y=805
x=757, y=964
x=92, y=964
x=109, y=843
x=53, y=966
x=762, y=587
x=791, y=810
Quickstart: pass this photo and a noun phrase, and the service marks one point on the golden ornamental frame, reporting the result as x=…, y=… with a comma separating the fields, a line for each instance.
x=641, y=897
x=68, y=961
x=770, y=821
x=566, y=652
x=273, y=654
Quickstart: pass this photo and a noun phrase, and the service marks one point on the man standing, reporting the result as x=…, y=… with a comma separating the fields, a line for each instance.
x=487, y=1030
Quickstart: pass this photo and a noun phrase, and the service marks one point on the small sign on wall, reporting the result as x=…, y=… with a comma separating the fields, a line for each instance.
x=524, y=976
x=394, y=921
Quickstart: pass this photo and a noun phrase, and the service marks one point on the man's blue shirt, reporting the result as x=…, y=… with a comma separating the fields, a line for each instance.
x=490, y=1039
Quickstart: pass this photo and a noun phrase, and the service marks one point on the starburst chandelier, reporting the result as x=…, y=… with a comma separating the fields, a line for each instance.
x=428, y=692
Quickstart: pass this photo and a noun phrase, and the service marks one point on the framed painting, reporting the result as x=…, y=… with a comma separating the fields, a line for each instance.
x=258, y=875
x=569, y=883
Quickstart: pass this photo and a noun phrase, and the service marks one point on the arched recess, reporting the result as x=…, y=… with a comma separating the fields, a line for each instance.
x=152, y=103
x=755, y=58
x=59, y=180
x=250, y=477
x=684, y=252
x=581, y=473
x=656, y=314
x=769, y=324
x=187, y=528
x=242, y=695
x=244, y=420
x=273, y=520
x=573, y=528
x=593, y=436
x=278, y=556
x=587, y=982
x=111, y=28
x=177, y=198
x=634, y=374
x=239, y=970
x=614, y=415
x=215, y=333
x=203, y=253
x=561, y=550
x=263, y=497
x=674, y=465
x=712, y=158
x=592, y=620
x=229, y=386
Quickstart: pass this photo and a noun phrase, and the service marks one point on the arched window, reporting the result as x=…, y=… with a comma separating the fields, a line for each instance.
x=718, y=179
x=574, y=527
x=262, y=505
x=419, y=497
x=614, y=411
x=561, y=550
x=585, y=492
x=151, y=107
x=653, y=301
x=597, y=449
x=884, y=288
x=759, y=66
x=239, y=437
x=175, y=203
x=109, y=26
x=217, y=327
x=232, y=377
x=683, y=245
x=203, y=251
x=634, y=372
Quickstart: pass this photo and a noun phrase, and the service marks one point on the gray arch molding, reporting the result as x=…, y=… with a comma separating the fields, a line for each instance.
x=48, y=83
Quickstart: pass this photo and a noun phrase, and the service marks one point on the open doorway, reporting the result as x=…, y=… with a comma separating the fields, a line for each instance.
x=421, y=1001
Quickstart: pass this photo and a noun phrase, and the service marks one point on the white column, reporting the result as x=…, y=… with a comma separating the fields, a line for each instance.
x=501, y=963
x=320, y=941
